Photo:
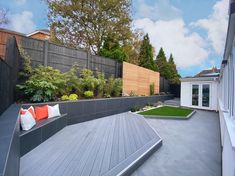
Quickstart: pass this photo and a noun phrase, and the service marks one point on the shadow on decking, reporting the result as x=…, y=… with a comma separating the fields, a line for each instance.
x=113, y=145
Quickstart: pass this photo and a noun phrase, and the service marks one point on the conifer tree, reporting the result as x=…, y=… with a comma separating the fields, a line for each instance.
x=146, y=54
x=162, y=64
x=174, y=76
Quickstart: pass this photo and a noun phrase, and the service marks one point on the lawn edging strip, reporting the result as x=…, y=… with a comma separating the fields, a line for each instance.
x=171, y=117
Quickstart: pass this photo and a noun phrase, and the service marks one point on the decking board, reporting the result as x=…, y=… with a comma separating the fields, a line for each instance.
x=103, y=146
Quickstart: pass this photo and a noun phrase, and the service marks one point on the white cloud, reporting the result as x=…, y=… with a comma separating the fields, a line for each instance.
x=189, y=49
x=216, y=25
x=161, y=9
x=22, y=22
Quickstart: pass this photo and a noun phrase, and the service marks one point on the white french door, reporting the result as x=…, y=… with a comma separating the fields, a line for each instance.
x=201, y=95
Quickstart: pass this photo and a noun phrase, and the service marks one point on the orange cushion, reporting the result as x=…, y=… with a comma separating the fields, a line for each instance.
x=30, y=109
x=41, y=112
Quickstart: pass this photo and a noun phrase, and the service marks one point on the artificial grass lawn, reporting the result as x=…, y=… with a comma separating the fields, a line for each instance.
x=168, y=111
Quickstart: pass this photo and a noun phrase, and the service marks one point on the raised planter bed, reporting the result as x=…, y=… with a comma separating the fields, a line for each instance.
x=168, y=112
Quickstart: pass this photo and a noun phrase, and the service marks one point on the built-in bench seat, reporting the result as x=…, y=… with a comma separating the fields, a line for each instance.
x=40, y=132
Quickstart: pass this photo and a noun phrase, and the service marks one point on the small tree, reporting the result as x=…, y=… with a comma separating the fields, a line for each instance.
x=146, y=54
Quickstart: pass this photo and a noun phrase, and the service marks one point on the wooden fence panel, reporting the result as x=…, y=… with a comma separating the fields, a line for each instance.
x=60, y=57
x=138, y=79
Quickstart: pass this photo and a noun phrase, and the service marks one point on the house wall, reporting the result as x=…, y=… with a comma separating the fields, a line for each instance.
x=138, y=79
x=186, y=94
x=227, y=99
x=40, y=36
x=4, y=35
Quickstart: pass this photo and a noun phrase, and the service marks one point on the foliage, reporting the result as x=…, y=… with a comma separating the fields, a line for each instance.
x=38, y=91
x=117, y=89
x=89, y=22
x=87, y=80
x=88, y=94
x=112, y=49
x=73, y=97
x=113, y=87
x=132, y=47
x=101, y=82
x=72, y=80
x=174, y=75
x=146, y=54
x=27, y=68
x=135, y=108
x=45, y=84
x=3, y=17
x=162, y=64
x=133, y=94
x=64, y=98
x=152, y=88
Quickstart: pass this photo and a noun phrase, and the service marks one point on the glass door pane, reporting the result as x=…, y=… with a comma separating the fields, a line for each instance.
x=206, y=95
x=195, y=92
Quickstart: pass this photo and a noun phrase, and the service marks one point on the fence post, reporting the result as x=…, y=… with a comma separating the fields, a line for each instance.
x=45, y=52
x=116, y=69
x=88, y=60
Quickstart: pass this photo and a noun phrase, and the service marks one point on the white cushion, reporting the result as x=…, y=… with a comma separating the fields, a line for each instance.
x=27, y=121
x=53, y=111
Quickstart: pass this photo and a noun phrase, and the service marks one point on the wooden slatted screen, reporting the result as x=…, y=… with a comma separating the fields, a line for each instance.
x=138, y=79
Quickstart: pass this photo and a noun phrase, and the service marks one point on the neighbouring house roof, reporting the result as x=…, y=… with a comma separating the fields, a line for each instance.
x=205, y=75
x=11, y=32
x=209, y=73
x=44, y=31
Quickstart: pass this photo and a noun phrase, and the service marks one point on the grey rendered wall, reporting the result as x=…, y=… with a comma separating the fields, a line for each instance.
x=84, y=110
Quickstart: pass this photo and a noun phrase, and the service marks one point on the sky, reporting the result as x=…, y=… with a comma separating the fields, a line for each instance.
x=194, y=31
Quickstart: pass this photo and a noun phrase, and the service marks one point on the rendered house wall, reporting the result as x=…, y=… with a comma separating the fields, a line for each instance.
x=227, y=98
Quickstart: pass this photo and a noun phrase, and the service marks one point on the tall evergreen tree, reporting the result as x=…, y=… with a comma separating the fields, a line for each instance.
x=174, y=76
x=162, y=64
x=146, y=54
x=112, y=49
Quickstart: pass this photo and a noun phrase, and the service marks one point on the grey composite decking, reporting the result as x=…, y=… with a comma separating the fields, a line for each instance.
x=108, y=146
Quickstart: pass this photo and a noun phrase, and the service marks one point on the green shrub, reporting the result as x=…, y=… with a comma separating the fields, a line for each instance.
x=72, y=81
x=152, y=88
x=38, y=90
x=117, y=88
x=135, y=108
x=45, y=84
x=133, y=94
x=100, y=85
x=27, y=68
x=109, y=86
x=88, y=94
x=113, y=87
x=64, y=98
x=73, y=97
x=87, y=80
